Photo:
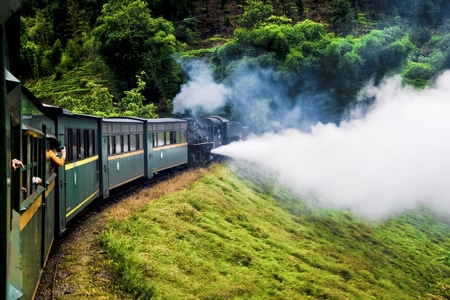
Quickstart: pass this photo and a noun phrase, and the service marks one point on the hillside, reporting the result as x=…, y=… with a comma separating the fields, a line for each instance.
x=213, y=20
x=233, y=234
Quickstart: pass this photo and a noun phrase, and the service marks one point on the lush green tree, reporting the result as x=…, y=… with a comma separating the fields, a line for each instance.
x=417, y=74
x=255, y=12
x=344, y=17
x=130, y=40
x=133, y=102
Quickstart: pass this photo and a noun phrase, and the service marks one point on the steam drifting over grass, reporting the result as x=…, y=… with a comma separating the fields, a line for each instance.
x=393, y=158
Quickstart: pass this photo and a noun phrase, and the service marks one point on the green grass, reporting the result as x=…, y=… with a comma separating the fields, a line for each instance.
x=227, y=237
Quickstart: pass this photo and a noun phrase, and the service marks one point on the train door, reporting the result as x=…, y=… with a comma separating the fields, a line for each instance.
x=105, y=166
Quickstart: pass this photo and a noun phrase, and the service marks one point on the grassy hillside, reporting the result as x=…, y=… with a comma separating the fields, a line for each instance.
x=228, y=237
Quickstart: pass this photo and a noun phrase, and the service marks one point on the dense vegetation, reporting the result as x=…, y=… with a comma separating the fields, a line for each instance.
x=226, y=237
x=129, y=54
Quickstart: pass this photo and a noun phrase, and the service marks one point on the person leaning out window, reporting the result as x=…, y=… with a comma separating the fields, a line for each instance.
x=52, y=153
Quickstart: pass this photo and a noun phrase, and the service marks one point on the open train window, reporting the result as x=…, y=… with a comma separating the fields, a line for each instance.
x=33, y=159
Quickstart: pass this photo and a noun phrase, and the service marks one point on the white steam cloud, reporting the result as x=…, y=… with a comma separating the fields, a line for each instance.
x=201, y=92
x=394, y=158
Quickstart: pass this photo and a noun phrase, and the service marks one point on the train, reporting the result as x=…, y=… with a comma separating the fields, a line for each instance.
x=101, y=154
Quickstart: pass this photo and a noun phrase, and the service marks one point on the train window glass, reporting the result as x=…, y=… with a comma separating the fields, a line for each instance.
x=87, y=143
x=168, y=138
x=125, y=127
x=154, y=140
x=116, y=128
x=81, y=144
x=104, y=127
x=139, y=127
x=34, y=164
x=133, y=142
x=161, y=126
x=68, y=145
x=126, y=145
x=118, y=144
x=160, y=139
x=74, y=145
x=173, y=137
x=94, y=142
x=140, y=144
x=112, y=144
x=133, y=127
x=183, y=136
x=108, y=145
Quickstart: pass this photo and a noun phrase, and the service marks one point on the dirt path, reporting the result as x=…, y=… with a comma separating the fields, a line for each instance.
x=76, y=267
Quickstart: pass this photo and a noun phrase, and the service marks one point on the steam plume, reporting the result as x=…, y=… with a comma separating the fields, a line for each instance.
x=201, y=93
x=395, y=157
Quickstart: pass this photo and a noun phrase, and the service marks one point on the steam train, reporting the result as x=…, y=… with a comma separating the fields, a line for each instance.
x=101, y=155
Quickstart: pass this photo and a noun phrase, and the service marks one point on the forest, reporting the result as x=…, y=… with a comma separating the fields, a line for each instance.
x=133, y=57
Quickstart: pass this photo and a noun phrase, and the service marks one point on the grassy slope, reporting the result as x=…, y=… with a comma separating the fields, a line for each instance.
x=229, y=238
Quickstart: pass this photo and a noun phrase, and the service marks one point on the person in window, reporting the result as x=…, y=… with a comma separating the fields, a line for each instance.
x=53, y=153
x=18, y=164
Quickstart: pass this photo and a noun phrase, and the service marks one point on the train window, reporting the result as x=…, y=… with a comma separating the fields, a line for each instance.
x=126, y=145
x=118, y=144
x=80, y=144
x=74, y=151
x=108, y=145
x=33, y=161
x=112, y=143
x=183, y=136
x=160, y=139
x=133, y=142
x=94, y=142
x=168, y=137
x=87, y=143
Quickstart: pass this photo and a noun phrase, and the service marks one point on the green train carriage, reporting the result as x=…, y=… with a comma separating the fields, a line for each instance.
x=122, y=146
x=79, y=179
x=167, y=145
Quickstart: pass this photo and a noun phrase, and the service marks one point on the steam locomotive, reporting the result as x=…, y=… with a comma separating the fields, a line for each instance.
x=101, y=155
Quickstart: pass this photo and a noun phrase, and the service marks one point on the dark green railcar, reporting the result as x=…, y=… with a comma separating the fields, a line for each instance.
x=10, y=285
x=37, y=204
x=79, y=178
x=167, y=146
x=122, y=143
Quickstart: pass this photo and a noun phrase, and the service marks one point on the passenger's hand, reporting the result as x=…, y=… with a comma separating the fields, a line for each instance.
x=37, y=180
x=63, y=152
x=16, y=164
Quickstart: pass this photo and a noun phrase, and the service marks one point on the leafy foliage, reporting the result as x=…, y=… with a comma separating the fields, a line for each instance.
x=130, y=40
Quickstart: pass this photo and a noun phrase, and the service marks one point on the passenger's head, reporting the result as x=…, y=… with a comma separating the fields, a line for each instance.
x=54, y=144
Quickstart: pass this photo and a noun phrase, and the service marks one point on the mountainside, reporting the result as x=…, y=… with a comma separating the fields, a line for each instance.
x=226, y=237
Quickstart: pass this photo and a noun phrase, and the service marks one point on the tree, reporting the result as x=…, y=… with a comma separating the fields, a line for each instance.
x=130, y=40
x=133, y=102
x=255, y=12
x=344, y=17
